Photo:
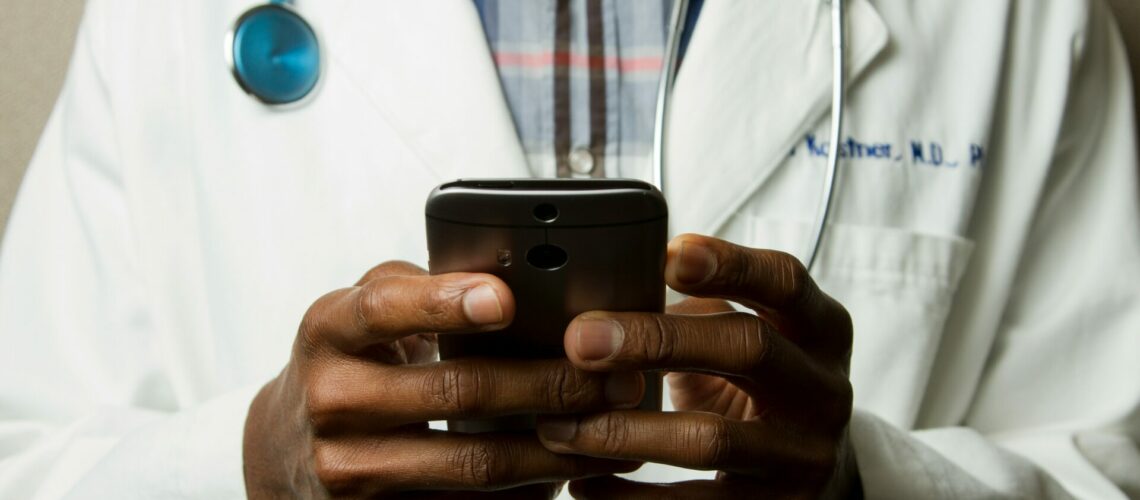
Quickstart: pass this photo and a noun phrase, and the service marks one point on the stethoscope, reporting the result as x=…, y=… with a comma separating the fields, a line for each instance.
x=275, y=56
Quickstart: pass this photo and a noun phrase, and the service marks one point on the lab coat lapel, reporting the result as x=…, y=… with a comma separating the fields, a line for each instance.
x=426, y=68
x=756, y=76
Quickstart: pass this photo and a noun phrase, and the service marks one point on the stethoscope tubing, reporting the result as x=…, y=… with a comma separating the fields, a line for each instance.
x=838, y=101
x=665, y=90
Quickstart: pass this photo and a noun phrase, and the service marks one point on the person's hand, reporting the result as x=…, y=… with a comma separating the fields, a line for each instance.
x=763, y=399
x=348, y=415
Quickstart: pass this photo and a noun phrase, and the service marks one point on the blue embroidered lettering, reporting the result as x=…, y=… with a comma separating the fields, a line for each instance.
x=977, y=155
x=916, y=152
x=935, y=154
x=813, y=148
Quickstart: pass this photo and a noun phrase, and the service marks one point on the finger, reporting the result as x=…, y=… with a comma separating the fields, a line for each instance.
x=697, y=305
x=347, y=397
x=411, y=349
x=528, y=492
x=604, y=487
x=770, y=282
x=725, y=343
x=389, y=308
x=392, y=268
x=692, y=440
x=738, y=346
x=434, y=460
x=419, y=348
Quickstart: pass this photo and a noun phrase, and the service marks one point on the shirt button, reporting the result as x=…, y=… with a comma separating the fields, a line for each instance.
x=581, y=161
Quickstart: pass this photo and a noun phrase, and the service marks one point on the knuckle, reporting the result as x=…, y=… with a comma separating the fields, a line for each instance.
x=758, y=345
x=793, y=278
x=480, y=465
x=459, y=388
x=740, y=270
x=843, y=407
x=844, y=327
x=378, y=271
x=498, y=467
x=443, y=302
x=659, y=339
x=317, y=406
x=392, y=268
x=823, y=463
x=571, y=388
x=372, y=300
x=614, y=429
x=711, y=440
x=819, y=459
x=558, y=398
x=839, y=339
x=331, y=469
x=309, y=341
x=324, y=400
x=310, y=333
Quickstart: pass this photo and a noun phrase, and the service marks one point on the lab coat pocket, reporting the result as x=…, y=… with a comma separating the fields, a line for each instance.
x=898, y=286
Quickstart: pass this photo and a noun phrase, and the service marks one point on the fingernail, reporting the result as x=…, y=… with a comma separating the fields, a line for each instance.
x=481, y=305
x=623, y=388
x=695, y=263
x=599, y=339
x=559, y=431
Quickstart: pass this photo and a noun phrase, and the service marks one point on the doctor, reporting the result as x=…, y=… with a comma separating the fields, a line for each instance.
x=983, y=255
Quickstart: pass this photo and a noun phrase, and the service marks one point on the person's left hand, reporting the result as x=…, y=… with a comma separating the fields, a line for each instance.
x=763, y=399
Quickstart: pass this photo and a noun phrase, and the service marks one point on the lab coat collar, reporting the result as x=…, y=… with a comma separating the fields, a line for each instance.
x=740, y=105
x=427, y=69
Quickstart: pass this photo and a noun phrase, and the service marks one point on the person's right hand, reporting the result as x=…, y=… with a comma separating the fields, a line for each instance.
x=348, y=415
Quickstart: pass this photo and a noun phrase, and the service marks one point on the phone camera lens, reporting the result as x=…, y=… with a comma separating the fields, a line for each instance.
x=546, y=257
x=546, y=212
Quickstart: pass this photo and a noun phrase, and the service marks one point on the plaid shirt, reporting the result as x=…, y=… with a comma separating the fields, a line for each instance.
x=580, y=78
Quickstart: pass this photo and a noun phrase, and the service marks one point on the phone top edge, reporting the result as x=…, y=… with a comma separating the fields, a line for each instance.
x=553, y=203
x=540, y=225
x=547, y=184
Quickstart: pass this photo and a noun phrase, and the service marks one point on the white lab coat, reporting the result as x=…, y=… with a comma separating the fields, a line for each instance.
x=171, y=231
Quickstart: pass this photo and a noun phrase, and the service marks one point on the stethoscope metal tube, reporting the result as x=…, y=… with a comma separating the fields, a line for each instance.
x=665, y=89
x=838, y=101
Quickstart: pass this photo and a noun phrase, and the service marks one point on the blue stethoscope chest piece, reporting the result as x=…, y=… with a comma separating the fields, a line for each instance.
x=274, y=54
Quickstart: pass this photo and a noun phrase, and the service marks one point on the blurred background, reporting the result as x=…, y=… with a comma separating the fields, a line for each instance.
x=36, y=37
x=35, y=44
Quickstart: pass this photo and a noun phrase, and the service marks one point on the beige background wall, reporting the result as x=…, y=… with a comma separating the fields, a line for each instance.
x=36, y=37
x=35, y=43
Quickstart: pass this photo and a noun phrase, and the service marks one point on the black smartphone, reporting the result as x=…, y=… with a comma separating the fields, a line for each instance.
x=564, y=247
